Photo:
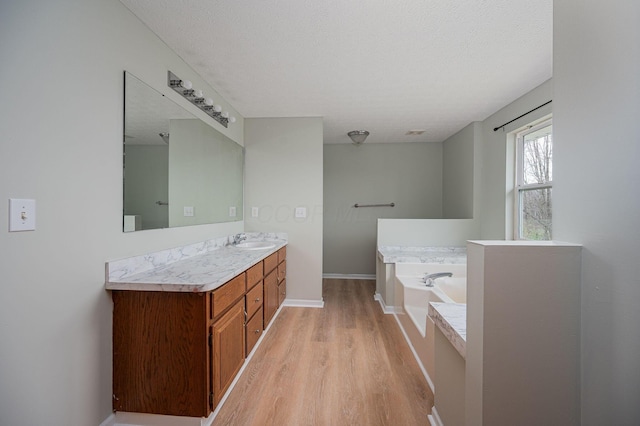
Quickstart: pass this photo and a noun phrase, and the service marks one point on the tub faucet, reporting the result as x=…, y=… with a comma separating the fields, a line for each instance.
x=429, y=279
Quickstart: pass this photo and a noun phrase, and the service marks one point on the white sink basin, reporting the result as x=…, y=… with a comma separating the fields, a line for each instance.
x=256, y=245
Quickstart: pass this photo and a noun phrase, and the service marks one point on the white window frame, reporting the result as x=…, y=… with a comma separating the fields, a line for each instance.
x=520, y=186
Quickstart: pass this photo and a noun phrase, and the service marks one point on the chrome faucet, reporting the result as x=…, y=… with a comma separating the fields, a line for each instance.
x=429, y=279
x=238, y=238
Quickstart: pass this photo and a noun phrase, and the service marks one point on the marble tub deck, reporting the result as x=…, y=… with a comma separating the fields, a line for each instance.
x=408, y=254
x=451, y=319
x=198, y=267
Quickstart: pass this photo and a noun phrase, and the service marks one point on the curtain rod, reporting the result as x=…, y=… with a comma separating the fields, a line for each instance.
x=495, y=129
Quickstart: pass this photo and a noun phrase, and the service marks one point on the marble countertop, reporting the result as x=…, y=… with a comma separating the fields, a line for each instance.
x=197, y=267
x=407, y=254
x=451, y=319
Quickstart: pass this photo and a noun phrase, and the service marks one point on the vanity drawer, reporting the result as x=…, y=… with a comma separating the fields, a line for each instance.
x=254, y=330
x=224, y=296
x=254, y=299
x=282, y=271
x=270, y=263
x=282, y=254
x=254, y=274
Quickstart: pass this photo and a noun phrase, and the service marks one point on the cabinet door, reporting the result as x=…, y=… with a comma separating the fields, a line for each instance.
x=228, y=348
x=282, y=291
x=254, y=330
x=270, y=296
x=282, y=270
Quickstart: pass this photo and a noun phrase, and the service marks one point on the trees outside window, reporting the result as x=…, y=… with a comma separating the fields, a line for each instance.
x=534, y=182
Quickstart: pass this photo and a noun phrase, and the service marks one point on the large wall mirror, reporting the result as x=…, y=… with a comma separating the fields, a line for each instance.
x=178, y=170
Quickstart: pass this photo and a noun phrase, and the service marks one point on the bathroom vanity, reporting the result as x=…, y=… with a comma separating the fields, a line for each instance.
x=183, y=328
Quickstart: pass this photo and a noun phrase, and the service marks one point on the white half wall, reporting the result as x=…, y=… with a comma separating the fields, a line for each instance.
x=596, y=195
x=407, y=174
x=61, y=117
x=283, y=163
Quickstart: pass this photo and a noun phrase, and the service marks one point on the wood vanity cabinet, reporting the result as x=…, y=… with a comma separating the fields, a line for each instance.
x=161, y=353
x=177, y=353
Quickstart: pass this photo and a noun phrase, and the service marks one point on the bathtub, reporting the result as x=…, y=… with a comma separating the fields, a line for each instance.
x=412, y=299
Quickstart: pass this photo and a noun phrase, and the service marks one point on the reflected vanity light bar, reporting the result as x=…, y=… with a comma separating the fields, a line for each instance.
x=196, y=97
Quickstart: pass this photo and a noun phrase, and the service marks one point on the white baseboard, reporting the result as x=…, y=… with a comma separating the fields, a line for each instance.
x=141, y=419
x=303, y=303
x=386, y=309
x=109, y=421
x=368, y=277
x=434, y=418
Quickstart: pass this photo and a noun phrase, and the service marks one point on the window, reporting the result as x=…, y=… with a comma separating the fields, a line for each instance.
x=534, y=182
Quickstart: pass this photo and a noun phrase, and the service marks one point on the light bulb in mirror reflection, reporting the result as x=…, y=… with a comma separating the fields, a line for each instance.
x=225, y=114
x=232, y=119
x=208, y=101
x=198, y=93
x=186, y=84
x=217, y=108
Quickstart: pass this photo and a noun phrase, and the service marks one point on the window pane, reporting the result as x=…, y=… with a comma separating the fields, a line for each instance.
x=535, y=205
x=537, y=156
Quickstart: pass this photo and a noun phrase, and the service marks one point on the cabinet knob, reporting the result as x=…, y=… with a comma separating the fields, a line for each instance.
x=257, y=331
x=257, y=299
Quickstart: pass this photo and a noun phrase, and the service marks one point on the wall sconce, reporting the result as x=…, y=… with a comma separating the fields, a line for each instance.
x=196, y=97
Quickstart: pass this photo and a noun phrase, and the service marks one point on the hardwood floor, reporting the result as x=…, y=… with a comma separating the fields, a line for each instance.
x=346, y=364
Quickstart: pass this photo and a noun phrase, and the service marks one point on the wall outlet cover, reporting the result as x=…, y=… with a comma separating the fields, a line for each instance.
x=301, y=212
x=232, y=211
x=188, y=211
x=254, y=212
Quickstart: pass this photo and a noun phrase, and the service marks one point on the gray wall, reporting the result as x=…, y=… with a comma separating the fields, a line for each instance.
x=284, y=171
x=61, y=117
x=494, y=197
x=458, y=172
x=596, y=110
x=408, y=174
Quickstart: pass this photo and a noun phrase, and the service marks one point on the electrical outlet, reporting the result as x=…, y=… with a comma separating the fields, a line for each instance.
x=232, y=211
x=254, y=212
x=301, y=212
x=22, y=215
x=188, y=211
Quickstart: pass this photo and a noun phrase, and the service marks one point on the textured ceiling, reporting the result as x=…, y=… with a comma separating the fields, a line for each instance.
x=378, y=65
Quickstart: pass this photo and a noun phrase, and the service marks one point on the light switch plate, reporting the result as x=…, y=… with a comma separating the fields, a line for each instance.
x=301, y=212
x=188, y=211
x=22, y=214
x=232, y=211
x=254, y=212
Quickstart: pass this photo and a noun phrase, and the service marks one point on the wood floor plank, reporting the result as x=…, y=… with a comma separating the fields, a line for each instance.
x=345, y=364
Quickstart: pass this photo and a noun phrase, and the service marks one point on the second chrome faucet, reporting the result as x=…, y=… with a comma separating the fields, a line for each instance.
x=429, y=279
